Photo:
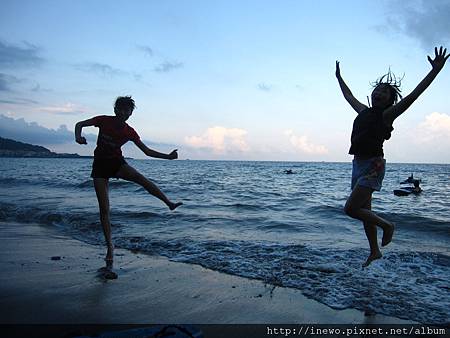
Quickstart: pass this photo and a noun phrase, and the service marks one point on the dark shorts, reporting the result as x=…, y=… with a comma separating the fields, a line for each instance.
x=106, y=167
x=369, y=172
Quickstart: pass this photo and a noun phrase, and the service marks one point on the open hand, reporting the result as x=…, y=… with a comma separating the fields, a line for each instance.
x=439, y=58
x=81, y=140
x=173, y=155
x=338, y=70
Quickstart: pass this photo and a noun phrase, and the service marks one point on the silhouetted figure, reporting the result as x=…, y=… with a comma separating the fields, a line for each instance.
x=410, y=179
x=109, y=162
x=405, y=191
x=371, y=128
x=417, y=189
x=288, y=171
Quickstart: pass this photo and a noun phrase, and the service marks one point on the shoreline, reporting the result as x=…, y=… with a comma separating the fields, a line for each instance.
x=36, y=289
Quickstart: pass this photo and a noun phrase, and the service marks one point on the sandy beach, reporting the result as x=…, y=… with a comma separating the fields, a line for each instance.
x=36, y=289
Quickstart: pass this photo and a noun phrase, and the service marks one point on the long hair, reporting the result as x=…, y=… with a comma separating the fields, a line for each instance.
x=393, y=83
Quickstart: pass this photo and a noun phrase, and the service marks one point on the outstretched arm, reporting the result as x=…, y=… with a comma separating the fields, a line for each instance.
x=86, y=123
x=437, y=64
x=153, y=153
x=356, y=105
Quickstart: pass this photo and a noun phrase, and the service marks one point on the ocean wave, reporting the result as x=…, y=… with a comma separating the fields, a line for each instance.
x=43, y=216
x=68, y=221
x=10, y=181
x=403, y=221
x=58, y=183
x=326, y=210
x=407, y=285
x=416, y=223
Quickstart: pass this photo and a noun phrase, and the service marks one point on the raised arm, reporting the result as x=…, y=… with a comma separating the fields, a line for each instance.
x=86, y=123
x=356, y=105
x=153, y=153
x=437, y=64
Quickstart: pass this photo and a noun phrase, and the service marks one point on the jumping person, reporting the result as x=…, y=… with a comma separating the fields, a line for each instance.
x=109, y=162
x=371, y=128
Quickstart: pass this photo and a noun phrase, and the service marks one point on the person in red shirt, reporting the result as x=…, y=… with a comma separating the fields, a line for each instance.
x=109, y=162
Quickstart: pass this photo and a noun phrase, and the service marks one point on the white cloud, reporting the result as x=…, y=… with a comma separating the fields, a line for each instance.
x=65, y=109
x=435, y=128
x=425, y=21
x=220, y=140
x=304, y=145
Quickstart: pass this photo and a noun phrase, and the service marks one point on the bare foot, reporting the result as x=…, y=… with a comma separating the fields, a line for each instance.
x=387, y=235
x=109, y=274
x=371, y=258
x=106, y=272
x=173, y=206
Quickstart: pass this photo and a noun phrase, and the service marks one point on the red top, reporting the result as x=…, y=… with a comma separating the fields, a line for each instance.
x=113, y=134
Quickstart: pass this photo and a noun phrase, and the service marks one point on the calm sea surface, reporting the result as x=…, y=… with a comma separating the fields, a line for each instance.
x=253, y=220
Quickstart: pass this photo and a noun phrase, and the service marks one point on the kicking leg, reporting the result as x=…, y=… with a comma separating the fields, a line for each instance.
x=128, y=173
x=371, y=234
x=355, y=208
x=101, y=189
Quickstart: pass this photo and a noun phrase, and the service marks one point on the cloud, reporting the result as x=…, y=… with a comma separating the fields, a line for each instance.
x=167, y=66
x=265, y=87
x=147, y=50
x=435, y=128
x=220, y=140
x=19, y=56
x=425, y=21
x=23, y=131
x=18, y=100
x=5, y=82
x=38, y=88
x=304, y=145
x=99, y=68
x=61, y=139
x=65, y=109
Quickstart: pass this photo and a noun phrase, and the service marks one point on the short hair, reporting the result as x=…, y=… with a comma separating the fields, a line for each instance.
x=393, y=83
x=124, y=102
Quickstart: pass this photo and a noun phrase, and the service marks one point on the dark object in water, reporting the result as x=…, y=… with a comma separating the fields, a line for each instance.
x=409, y=180
x=407, y=191
x=288, y=171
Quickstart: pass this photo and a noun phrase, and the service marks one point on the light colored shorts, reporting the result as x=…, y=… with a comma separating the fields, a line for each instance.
x=369, y=172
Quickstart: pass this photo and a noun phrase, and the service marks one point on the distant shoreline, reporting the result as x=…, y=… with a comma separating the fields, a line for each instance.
x=15, y=149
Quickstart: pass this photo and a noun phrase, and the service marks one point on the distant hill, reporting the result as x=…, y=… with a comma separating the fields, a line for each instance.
x=11, y=148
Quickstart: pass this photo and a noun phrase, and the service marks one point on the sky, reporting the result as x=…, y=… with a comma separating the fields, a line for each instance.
x=222, y=80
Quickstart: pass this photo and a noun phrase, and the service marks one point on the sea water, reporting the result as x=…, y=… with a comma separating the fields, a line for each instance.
x=251, y=219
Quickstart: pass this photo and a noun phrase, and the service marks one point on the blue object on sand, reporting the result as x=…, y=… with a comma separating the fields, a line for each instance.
x=172, y=331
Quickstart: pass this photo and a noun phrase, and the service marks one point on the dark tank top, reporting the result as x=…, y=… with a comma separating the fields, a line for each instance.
x=368, y=134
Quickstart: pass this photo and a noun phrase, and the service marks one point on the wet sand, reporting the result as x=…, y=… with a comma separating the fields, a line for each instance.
x=36, y=289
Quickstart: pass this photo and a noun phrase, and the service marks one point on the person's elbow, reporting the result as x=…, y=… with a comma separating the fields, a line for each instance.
x=79, y=125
